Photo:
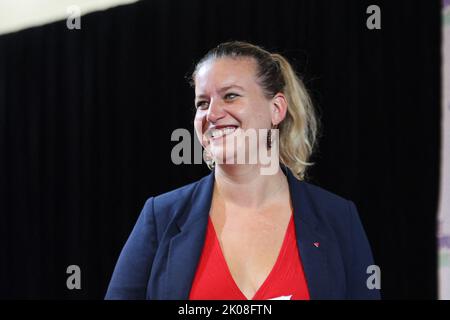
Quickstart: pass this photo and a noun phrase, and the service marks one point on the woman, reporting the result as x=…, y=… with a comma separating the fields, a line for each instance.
x=240, y=233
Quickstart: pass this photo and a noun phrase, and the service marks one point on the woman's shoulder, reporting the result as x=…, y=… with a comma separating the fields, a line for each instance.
x=179, y=194
x=323, y=195
x=328, y=205
x=164, y=205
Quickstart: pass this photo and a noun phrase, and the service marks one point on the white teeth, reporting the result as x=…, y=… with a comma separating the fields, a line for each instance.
x=217, y=133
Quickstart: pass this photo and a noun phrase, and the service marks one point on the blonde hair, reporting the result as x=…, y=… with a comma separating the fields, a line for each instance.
x=299, y=129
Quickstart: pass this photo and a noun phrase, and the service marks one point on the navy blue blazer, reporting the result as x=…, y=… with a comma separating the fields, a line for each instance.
x=160, y=257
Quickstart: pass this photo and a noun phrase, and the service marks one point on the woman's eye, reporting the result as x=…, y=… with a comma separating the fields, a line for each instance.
x=202, y=105
x=230, y=96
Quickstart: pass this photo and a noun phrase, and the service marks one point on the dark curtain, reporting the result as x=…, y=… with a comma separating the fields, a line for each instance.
x=86, y=118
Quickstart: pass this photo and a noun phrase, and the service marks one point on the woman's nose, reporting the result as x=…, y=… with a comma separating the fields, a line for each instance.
x=215, y=112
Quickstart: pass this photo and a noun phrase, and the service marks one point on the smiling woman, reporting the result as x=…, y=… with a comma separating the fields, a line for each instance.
x=238, y=233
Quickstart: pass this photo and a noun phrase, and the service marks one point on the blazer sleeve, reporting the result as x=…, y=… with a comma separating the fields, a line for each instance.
x=132, y=271
x=360, y=259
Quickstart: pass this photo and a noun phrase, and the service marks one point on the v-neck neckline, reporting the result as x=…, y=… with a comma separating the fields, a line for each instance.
x=275, y=266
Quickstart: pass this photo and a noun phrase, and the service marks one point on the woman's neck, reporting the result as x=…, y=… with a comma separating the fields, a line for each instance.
x=244, y=186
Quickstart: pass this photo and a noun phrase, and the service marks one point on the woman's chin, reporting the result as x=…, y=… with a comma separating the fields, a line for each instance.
x=223, y=160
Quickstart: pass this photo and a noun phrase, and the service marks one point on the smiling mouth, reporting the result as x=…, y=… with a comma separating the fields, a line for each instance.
x=215, y=134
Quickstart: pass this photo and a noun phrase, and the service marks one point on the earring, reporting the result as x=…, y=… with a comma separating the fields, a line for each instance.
x=269, y=136
x=207, y=157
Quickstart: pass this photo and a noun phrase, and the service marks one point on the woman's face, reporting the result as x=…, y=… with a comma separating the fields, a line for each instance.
x=227, y=95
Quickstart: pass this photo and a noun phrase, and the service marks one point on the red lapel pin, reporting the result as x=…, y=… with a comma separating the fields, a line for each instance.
x=316, y=244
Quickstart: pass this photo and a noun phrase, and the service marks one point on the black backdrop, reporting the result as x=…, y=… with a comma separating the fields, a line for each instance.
x=86, y=118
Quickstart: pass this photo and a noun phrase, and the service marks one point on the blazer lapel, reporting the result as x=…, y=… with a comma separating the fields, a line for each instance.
x=311, y=242
x=186, y=246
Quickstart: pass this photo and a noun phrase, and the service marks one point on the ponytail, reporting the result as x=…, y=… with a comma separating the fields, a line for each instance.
x=298, y=130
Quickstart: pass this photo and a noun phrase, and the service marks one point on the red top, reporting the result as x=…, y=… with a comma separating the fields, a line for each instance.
x=213, y=280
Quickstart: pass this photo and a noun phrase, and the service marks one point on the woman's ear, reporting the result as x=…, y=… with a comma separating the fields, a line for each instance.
x=278, y=108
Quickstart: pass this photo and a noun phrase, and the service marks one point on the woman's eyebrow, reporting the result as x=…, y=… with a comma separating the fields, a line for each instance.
x=201, y=96
x=230, y=87
x=221, y=90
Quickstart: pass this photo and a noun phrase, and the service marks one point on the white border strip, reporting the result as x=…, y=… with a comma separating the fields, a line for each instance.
x=16, y=15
